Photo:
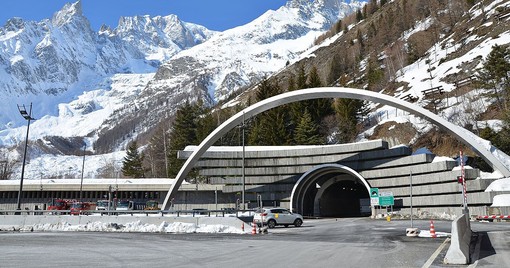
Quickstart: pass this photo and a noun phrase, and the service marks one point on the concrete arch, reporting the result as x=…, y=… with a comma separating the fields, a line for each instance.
x=461, y=134
x=309, y=179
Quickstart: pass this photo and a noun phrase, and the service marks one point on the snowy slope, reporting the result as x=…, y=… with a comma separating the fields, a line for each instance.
x=110, y=85
x=418, y=77
x=48, y=63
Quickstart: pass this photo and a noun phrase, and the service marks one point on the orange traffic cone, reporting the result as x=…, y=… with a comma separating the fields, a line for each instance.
x=254, y=228
x=432, y=229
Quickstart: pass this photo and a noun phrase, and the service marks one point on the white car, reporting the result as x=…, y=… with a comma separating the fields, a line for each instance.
x=277, y=216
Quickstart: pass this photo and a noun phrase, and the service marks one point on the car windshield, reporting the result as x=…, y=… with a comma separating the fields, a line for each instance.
x=102, y=203
x=123, y=204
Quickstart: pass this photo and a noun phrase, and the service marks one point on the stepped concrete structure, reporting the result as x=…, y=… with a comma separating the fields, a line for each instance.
x=334, y=180
x=464, y=136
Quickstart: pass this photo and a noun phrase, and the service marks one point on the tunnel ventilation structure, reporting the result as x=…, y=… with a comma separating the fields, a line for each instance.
x=460, y=133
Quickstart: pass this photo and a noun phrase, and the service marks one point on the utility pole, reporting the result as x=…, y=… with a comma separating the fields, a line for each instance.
x=82, y=171
x=244, y=179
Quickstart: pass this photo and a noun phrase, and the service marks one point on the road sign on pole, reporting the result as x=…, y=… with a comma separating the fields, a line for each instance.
x=374, y=192
x=386, y=201
x=374, y=196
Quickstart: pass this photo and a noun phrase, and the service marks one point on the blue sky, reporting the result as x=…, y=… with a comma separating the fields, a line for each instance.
x=214, y=14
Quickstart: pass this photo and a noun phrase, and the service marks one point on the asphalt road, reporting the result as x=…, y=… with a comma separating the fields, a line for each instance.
x=352, y=242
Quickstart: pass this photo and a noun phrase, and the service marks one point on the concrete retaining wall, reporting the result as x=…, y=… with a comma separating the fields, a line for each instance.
x=273, y=173
x=458, y=253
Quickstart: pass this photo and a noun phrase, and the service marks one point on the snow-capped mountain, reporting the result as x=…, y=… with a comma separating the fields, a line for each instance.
x=231, y=61
x=122, y=81
x=55, y=60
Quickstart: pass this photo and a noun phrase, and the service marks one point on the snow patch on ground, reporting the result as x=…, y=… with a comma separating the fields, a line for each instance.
x=137, y=226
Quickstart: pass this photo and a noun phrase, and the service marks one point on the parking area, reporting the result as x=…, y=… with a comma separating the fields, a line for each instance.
x=348, y=242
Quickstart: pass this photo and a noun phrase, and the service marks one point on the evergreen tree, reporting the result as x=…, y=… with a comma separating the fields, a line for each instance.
x=205, y=121
x=269, y=128
x=374, y=75
x=318, y=108
x=495, y=75
x=183, y=133
x=307, y=131
x=132, y=163
x=359, y=15
x=347, y=112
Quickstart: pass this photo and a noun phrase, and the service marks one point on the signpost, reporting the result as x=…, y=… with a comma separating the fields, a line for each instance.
x=374, y=197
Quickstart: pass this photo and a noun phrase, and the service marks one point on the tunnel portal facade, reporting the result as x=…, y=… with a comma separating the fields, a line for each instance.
x=331, y=191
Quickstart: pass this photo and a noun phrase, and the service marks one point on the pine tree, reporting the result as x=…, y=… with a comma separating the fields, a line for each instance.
x=183, y=133
x=495, y=75
x=269, y=128
x=318, y=108
x=347, y=112
x=307, y=131
x=132, y=163
x=359, y=15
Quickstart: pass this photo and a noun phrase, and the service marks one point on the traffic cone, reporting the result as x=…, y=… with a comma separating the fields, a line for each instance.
x=432, y=229
x=242, y=226
x=254, y=228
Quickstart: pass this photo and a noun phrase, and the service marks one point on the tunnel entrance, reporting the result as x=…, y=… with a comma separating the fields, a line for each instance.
x=332, y=190
x=345, y=198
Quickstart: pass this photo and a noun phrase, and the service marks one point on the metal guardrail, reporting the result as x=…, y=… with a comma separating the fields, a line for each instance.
x=177, y=213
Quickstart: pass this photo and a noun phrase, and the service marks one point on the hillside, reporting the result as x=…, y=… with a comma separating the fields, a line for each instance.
x=425, y=52
x=406, y=49
x=118, y=89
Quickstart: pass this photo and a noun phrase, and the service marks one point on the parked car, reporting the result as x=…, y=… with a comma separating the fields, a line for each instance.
x=277, y=216
x=104, y=205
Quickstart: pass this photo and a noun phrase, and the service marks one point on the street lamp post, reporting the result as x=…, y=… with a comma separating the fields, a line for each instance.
x=82, y=171
x=28, y=117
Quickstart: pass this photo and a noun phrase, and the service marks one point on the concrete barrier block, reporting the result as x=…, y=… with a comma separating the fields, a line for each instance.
x=458, y=253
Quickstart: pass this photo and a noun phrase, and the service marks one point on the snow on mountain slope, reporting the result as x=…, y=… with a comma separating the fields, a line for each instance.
x=438, y=69
x=89, y=102
x=240, y=56
x=53, y=61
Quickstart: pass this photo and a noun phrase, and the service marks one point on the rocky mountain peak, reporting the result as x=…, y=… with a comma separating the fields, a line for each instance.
x=14, y=24
x=68, y=13
x=297, y=3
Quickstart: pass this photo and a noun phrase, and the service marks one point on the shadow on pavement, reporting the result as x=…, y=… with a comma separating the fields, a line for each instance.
x=486, y=248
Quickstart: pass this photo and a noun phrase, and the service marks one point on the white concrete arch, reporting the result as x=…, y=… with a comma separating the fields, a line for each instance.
x=309, y=178
x=461, y=134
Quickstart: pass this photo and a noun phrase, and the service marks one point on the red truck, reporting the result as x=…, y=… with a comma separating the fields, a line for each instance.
x=80, y=208
x=59, y=204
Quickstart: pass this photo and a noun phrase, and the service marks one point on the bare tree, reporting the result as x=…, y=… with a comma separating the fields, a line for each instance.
x=6, y=168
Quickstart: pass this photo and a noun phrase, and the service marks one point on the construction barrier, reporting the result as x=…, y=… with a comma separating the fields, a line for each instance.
x=412, y=232
x=458, y=253
x=493, y=217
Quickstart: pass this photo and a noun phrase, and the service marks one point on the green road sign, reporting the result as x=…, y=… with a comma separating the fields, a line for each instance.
x=374, y=192
x=385, y=201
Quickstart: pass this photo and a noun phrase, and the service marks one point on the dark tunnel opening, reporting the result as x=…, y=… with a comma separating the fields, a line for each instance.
x=345, y=198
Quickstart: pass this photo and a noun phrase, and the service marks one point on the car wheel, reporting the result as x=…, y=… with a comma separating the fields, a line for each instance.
x=271, y=224
x=298, y=222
